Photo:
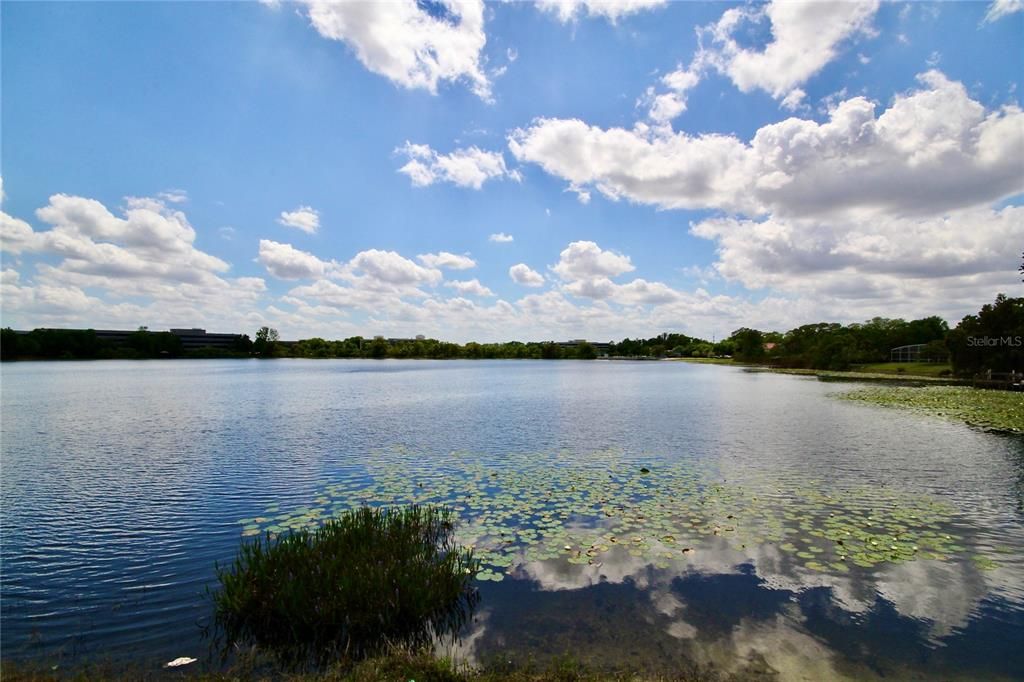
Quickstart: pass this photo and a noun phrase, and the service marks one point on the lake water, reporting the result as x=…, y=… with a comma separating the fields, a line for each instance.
x=658, y=515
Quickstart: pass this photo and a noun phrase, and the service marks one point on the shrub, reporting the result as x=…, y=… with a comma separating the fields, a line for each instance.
x=347, y=590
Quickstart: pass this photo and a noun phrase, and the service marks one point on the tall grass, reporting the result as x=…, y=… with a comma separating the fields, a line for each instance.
x=369, y=579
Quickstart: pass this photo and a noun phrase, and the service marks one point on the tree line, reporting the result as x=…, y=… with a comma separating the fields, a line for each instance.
x=991, y=340
x=84, y=344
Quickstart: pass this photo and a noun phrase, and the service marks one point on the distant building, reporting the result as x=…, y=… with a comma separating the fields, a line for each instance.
x=199, y=338
x=191, y=339
x=600, y=348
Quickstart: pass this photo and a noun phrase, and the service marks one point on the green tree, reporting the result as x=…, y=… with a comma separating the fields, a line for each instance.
x=991, y=340
x=378, y=348
x=585, y=351
x=749, y=344
x=8, y=344
x=550, y=351
x=935, y=351
x=266, y=342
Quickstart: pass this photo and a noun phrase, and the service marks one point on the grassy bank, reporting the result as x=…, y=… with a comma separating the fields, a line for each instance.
x=397, y=666
x=853, y=375
x=1001, y=410
x=886, y=371
x=922, y=369
x=713, y=361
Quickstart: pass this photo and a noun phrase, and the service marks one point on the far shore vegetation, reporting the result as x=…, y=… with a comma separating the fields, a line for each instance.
x=990, y=341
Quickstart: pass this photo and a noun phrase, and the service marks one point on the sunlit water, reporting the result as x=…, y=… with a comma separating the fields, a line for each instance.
x=123, y=482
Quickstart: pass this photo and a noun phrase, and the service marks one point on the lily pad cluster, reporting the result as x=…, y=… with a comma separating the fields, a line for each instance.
x=540, y=507
x=1001, y=410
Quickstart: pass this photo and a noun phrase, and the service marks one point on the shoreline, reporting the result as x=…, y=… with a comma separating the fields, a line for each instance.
x=833, y=375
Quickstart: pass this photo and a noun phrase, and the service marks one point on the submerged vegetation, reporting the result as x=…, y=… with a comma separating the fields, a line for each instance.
x=1002, y=410
x=363, y=580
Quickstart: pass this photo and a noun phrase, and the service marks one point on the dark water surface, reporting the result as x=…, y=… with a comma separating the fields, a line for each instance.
x=123, y=482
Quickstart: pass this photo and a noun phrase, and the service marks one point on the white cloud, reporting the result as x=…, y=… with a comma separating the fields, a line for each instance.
x=670, y=171
x=587, y=271
x=584, y=260
x=500, y=238
x=805, y=37
x=664, y=107
x=869, y=212
x=470, y=167
x=101, y=269
x=173, y=196
x=305, y=218
x=933, y=150
x=612, y=10
x=871, y=257
x=391, y=268
x=521, y=273
x=443, y=259
x=284, y=261
x=406, y=43
x=1001, y=8
x=471, y=287
x=794, y=100
x=151, y=241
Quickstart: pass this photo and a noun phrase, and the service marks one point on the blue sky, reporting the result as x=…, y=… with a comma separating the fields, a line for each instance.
x=341, y=169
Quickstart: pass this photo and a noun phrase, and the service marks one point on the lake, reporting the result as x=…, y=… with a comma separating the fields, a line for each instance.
x=656, y=515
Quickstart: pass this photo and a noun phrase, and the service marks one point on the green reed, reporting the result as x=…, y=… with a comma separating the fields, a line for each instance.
x=369, y=579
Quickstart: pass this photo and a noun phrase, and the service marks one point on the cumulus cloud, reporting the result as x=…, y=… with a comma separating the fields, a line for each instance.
x=521, y=273
x=500, y=238
x=408, y=44
x=470, y=287
x=805, y=37
x=871, y=211
x=391, y=268
x=284, y=261
x=871, y=258
x=586, y=260
x=587, y=271
x=612, y=10
x=305, y=218
x=102, y=268
x=470, y=167
x=664, y=107
x=934, y=149
x=1001, y=8
x=443, y=259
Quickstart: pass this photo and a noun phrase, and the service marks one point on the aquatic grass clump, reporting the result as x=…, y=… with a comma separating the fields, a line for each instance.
x=366, y=580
